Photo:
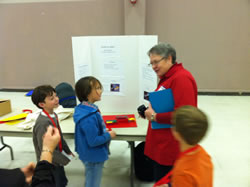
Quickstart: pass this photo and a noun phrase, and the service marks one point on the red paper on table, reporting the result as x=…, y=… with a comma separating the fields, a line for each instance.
x=119, y=124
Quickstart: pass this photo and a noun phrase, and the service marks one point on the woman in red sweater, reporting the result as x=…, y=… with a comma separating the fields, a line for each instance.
x=161, y=147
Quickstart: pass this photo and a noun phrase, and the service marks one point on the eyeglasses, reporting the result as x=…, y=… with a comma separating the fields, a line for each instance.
x=156, y=62
x=99, y=88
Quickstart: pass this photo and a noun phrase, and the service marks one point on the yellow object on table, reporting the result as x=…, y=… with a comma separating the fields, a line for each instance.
x=14, y=119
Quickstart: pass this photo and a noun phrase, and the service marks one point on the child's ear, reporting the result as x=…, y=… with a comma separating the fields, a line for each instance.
x=41, y=104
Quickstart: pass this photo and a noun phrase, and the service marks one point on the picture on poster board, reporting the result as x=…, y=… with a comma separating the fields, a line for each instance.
x=115, y=87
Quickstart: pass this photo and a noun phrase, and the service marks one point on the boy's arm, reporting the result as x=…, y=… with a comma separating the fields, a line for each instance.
x=92, y=133
x=58, y=157
x=43, y=175
x=40, y=131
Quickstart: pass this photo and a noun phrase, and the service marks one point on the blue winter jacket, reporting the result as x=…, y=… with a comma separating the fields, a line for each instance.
x=91, y=138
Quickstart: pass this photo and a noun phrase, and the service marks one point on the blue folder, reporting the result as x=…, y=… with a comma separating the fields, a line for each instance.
x=161, y=101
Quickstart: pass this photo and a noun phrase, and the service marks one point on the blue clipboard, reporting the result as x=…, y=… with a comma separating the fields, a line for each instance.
x=161, y=101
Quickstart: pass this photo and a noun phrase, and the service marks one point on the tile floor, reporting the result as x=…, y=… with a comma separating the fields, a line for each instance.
x=227, y=141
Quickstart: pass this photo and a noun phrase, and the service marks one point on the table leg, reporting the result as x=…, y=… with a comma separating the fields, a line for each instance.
x=132, y=149
x=5, y=145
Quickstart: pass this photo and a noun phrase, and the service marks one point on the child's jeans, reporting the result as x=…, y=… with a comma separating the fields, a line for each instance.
x=93, y=173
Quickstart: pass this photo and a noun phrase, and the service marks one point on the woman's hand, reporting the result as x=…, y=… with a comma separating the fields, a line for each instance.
x=28, y=171
x=149, y=112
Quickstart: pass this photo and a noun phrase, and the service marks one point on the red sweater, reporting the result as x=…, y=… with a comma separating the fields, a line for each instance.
x=160, y=144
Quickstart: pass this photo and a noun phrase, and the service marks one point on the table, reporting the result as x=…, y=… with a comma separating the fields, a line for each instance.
x=67, y=126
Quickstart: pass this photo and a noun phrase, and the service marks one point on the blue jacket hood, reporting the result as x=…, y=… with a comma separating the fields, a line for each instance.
x=83, y=111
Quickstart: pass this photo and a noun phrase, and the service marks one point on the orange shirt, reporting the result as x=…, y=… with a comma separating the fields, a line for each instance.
x=193, y=170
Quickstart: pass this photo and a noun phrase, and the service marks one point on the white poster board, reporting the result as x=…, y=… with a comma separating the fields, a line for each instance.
x=121, y=65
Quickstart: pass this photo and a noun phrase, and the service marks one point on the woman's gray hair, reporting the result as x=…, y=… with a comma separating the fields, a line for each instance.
x=164, y=50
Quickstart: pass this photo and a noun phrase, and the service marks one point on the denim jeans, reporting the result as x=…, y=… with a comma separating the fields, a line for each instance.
x=93, y=173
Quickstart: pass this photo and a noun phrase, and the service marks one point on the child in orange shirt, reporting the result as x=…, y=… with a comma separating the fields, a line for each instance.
x=193, y=167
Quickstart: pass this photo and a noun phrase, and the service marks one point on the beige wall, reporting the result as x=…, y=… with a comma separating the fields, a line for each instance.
x=212, y=38
x=134, y=17
x=35, y=38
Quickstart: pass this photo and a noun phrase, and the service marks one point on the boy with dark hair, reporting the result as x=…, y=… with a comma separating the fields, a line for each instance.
x=45, y=98
x=193, y=167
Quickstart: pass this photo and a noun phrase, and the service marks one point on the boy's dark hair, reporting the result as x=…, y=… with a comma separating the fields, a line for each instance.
x=84, y=86
x=40, y=93
x=191, y=123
